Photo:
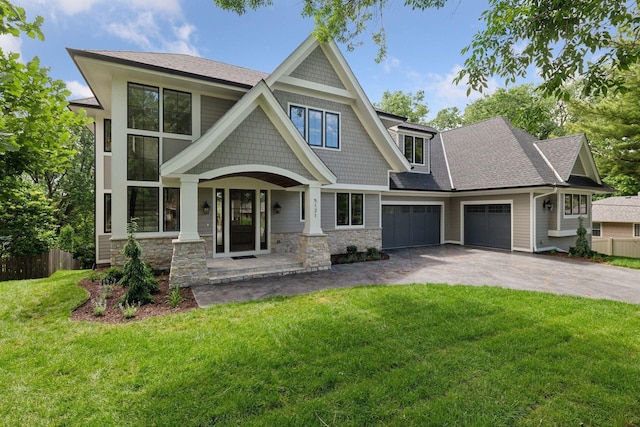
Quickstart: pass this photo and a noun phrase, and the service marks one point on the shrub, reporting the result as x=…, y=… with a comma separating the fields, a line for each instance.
x=65, y=239
x=94, y=276
x=373, y=254
x=113, y=274
x=174, y=298
x=99, y=307
x=129, y=310
x=352, y=249
x=351, y=258
x=582, y=248
x=137, y=275
x=107, y=291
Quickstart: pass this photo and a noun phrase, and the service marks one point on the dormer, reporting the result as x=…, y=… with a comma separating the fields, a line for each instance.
x=414, y=141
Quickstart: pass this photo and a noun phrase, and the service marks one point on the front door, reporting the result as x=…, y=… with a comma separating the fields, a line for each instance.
x=243, y=229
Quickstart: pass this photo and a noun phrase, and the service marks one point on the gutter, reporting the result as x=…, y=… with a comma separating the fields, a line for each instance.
x=534, y=235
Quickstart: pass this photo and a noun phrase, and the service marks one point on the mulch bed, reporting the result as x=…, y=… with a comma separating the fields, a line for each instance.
x=362, y=257
x=565, y=255
x=112, y=314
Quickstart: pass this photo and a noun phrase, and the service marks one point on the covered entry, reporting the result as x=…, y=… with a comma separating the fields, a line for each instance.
x=410, y=225
x=488, y=225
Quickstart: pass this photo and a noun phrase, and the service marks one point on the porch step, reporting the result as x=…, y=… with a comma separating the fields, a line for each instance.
x=247, y=271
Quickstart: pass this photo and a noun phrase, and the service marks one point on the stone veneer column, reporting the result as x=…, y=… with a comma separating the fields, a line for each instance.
x=189, y=263
x=189, y=260
x=313, y=251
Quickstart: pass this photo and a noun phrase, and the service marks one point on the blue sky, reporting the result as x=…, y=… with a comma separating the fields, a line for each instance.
x=423, y=46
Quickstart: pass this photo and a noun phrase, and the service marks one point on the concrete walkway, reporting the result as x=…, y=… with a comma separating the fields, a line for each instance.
x=449, y=264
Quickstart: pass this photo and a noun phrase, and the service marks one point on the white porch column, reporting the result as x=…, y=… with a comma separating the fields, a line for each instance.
x=312, y=224
x=188, y=208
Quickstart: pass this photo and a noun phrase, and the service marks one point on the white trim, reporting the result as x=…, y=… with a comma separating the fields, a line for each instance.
x=484, y=202
x=228, y=170
x=514, y=248
x=324, y=125
x=575, y=216
x=316, y=90
x=446, y=162
x=355, y=187
x=335, y=212
x=565, y=233
x=548, y=162
x=425, y=144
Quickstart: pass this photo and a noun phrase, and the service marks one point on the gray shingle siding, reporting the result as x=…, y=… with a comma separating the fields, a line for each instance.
x=372, y=211
x=358, y=161
x=211, y=109
x=255, y=141
x=328, y=218
x=104, y=247
x=316, y=68
x=288, y=220
x=172, y=147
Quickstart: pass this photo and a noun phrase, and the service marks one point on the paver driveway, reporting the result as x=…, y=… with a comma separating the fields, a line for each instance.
x=449, y=264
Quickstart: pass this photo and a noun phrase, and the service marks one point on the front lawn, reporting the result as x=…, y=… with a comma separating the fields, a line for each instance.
x=620, y=261
x=399, y=355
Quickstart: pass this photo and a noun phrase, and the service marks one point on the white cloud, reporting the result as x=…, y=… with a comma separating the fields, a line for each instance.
x=74, y=7
x=132, y=31
x=448, y=92
x=390, y=63
x=8, y=43
x=78, y=90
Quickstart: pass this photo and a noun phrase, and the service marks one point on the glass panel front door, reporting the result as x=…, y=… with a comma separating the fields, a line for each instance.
x=243, y=230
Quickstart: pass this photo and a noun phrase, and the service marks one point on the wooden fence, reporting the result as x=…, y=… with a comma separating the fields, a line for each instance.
x=37, y=266
x=617, y=247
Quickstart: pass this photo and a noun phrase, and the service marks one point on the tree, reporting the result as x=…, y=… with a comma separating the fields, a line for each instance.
x=611, y=124
x=403, y=104
x=522, y=105
x=447, y=118
x=552, y=36
x=137, y=275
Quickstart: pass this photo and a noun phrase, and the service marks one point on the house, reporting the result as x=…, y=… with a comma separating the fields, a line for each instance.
x=216, y=161
x=617, y=217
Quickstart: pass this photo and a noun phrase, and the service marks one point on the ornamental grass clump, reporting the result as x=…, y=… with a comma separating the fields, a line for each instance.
x=138, y=276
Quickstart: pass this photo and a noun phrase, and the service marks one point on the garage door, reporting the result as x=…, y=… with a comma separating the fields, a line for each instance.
x=404, y=226
x=488, y=225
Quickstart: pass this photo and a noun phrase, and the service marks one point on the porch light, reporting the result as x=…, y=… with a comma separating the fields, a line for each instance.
x=277, y=208
x=206, y=208
x=548, y=205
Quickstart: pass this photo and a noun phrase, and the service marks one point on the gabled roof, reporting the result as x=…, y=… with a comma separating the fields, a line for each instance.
x=418, y=127
x=180, y=64
x=562, y=152
x=617, y=209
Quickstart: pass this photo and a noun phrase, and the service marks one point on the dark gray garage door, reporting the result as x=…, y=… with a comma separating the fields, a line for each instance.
x=488, y=225
x=404, y=226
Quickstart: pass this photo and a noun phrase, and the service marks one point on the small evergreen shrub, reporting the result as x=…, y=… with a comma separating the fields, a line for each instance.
x=351, y=258
x=352, y=249
x=113, y=274
x=582, y=248
x=373, y=254
x=138, y=277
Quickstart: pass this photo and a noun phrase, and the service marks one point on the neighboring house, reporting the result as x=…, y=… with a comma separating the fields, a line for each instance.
x=617, y=217
x=218, y=161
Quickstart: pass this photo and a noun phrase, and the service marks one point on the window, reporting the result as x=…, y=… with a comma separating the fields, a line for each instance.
x=413, y=148
x=142, y=158
x=302, y=206
x=596, y=229
x=171, y=209
x=349, y=209
x=107, y=213
x=142, y=107
x=636, y=230
x=575, y=204
x=143, y=205
x=176, y=112
x=107, y=135
x=319, y=128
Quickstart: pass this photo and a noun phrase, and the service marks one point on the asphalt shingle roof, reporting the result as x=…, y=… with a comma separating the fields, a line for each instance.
x=86, y=102
x=617, y=209
x=418, y=127
x=562, y=153
x=175, y=63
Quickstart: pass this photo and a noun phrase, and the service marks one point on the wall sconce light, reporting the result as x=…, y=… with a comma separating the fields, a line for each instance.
x=206, y=208
x=547, y=205
x=277, y=208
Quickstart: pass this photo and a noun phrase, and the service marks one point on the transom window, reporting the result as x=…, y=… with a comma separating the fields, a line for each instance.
x=349, y=209
x=143, y=106
x=142, y=158
x=596, y=229
x=413, y=148
x=575, y=204
x=318, y=127
x=176, y=112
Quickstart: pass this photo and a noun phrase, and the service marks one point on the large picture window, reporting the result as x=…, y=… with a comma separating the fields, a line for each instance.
x=575, y=204
x=319, y=128
x=414, y=149
x=142, y=107
x=171, y=209
x=349, y=209
x=176, y=112
x=142, y=158
x=143, y=205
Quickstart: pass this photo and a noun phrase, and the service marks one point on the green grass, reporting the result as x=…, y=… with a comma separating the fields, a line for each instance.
x=620, y=261
x=403, y=355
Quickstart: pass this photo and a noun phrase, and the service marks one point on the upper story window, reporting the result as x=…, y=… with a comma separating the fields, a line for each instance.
x=318, y=127
x=142, y=107
x=107, y=135
x=413, y=147
x=575, y=204
x=142, y=158
x=176, y=112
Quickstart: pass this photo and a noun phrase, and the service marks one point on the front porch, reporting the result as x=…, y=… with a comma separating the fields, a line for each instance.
x=223, y=270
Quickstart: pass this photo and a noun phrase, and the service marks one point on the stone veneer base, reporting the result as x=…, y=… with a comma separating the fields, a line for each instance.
x=189, y=263
x=156, y=251
x=313, y=251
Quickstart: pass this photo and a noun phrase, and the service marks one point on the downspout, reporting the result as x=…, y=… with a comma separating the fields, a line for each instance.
x=535, y=222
